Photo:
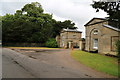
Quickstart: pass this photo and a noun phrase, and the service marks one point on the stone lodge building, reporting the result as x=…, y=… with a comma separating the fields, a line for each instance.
x=69, y=38
x=101, y=35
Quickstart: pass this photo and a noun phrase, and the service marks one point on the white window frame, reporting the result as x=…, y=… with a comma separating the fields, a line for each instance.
x=95, y=43
x=63, y=36
x=63, y=43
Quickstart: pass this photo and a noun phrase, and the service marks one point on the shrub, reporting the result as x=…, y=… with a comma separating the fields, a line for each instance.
x=118, y=49
x=51, y=43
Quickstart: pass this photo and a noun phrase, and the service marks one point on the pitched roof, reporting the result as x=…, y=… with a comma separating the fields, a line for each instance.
x=111, y=27
x=71, y=30
x=102, y=20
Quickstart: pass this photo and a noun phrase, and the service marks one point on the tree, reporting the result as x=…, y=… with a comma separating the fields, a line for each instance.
x=58, y=26
x=111, y=8
x=51, y=43
x=33, y=9
x=0, y=28
x=118, y=49
x=31, y=24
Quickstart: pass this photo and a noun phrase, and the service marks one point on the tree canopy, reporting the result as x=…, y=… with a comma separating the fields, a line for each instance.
x=0, y=28
x=111, y=8
x=31, y=24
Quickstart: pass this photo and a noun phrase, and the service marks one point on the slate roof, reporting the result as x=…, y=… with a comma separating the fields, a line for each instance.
x=104, y=20
x=111, y=27
x=71, y=30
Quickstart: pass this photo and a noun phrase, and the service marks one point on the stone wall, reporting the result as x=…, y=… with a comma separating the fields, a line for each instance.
x=106, y=38
x=67, y=37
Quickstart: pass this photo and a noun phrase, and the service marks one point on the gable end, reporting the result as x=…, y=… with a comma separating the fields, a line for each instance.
x=102, y=20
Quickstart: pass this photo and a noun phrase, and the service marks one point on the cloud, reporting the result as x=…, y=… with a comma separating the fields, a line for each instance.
x=0, y=9
x=18, y=0
x=11, y=7
x=79, y=11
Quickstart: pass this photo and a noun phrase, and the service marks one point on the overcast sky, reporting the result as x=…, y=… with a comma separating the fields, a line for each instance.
x=78, y=11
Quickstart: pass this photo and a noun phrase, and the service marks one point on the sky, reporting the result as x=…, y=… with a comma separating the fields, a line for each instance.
x=78, y=11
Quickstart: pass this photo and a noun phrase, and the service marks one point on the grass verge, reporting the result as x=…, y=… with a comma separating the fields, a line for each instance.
x=98, y=62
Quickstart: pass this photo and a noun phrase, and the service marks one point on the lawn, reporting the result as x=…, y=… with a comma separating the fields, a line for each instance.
x=98, y=62
x=32, y=48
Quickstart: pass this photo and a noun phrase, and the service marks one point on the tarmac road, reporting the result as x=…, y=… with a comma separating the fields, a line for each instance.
x=0, y=63
x=11, y=69
x=47, y=64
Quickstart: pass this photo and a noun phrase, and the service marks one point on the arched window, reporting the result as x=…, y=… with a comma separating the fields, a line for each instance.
x=95, y=31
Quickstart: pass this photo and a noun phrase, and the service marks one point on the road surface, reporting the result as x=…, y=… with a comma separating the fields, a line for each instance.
x=47, y=64
x=11, y=69
x=0, y=63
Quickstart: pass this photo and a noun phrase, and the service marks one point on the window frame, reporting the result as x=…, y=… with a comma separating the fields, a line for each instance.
x=95, y=43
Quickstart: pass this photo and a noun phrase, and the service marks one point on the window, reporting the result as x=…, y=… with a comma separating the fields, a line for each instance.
x=74, y=35
x=95, y=43
x=63, y=36
x=63, y=43
x=95, y=31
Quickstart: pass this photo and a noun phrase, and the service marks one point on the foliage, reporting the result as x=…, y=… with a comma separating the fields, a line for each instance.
x=111, y=8
x=0, y=27
x=51, y=43
x=118, y=49
x=58, y=26
x=98, y=62
x=31, y=24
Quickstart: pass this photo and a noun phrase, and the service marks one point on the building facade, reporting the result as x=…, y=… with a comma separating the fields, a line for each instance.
x=101, y=35
x=69, y=38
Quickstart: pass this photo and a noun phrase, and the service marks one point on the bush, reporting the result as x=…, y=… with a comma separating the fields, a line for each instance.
x=118, y=49
x=51, y=43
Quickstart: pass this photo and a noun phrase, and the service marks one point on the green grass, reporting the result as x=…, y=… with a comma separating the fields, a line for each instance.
x=98, y=62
